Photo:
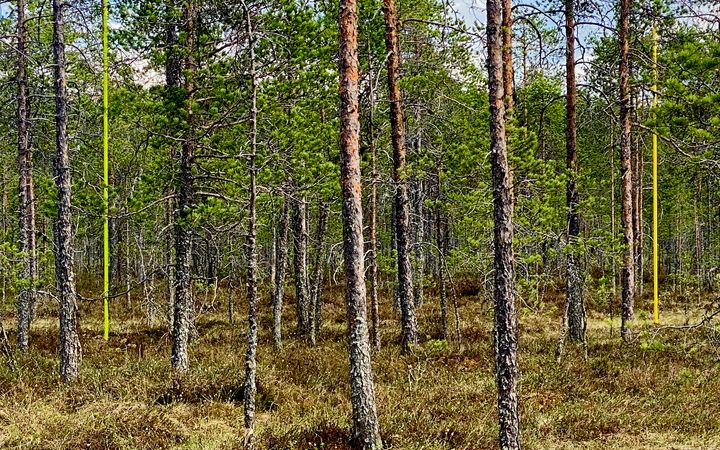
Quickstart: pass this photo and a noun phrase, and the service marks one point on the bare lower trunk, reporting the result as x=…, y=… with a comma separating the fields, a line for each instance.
x=70, y=350
x=372, y=253
x=402, y=207
x=505, y=318
x=366, y=430
x=26, y=216
x=507, y=57
x=183, y=314
x=628, y=270
x=300, y=265
x=442, y=290
x=250, y=387
x=281, y=261
x=575, y=311
x=315, y=311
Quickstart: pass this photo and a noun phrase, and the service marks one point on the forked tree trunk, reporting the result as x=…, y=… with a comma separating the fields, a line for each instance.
x=28, y=271
x=70, y=350
x=366, y=430
x=626, y=203
x=505, y=318
x=281, y=260
x=183, y=314
x=402, y=207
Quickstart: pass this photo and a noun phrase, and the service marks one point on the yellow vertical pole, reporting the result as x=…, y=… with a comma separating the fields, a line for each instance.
x=106, y=175
x=656, y=303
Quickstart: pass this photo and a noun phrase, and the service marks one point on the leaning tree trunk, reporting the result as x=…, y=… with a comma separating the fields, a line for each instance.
x=70, y=350
x=250, y=387
x=281, y=269
x=574, y=316
x=366, y=430
x=300, y=264
x=182, y=309
x=505, y=320
x=626, y=203
x=402, y=207
x=28, y=271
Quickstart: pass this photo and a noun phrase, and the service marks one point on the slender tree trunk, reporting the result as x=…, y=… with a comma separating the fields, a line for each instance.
x=127, y=264
x=402, y=207
x=70, y=350
x=300, y=264
x=613, y=230
x=183, y=314
x=507, y=57
x=442, y=290
x=628, y=270
x=574, y=318
x=366, y=430
x=252, y=288
x=372, y=253
x=315, y=310
x=28, y=272
x=505, y=320
x=172, y=83
x=281, y=258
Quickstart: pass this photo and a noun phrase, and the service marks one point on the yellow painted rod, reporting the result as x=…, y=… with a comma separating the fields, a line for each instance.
x=656, y=303
x=106, y=176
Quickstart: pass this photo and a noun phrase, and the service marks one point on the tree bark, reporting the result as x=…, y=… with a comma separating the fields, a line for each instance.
x=70, y=350
x=183, y=315
x=507, y=57
x=315, y=310
x=281, y=260
x=300, y=264
x=402, y=207
x=366, y=430
x=372, y=253
x=575, y=311
x=28, y=271
x=626, y=203
x=505, y=317
x=250, y=388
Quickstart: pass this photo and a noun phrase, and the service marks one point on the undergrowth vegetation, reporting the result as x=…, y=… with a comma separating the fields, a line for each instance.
x=659, y=391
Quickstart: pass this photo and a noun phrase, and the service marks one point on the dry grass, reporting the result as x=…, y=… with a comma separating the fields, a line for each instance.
x=658, y=393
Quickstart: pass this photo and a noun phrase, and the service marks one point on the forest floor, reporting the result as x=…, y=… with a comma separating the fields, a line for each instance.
x=659, y=392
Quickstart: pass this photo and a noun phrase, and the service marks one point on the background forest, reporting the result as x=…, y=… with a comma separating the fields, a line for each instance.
x=232, y=302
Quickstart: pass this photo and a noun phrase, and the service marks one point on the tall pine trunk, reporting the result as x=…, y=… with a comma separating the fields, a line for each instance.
x=26, y=215
x=366, y=430
x=250, y=387
x=626, y=183
x=372, y=253
x=402, y=203
x=183, y=244
x=70, y=350
x=505, y=317
x=574, y=316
